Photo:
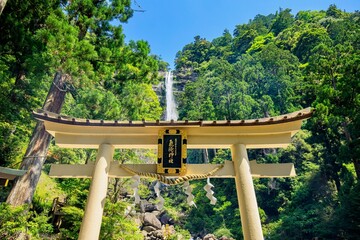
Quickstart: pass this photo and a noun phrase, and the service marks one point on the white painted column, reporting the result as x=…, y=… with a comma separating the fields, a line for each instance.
x=250, y=218
x=91, y=224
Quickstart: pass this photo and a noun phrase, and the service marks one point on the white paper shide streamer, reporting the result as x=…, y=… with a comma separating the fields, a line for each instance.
x=159, y=198
x=128, y=210
x=135, y=186
x=209, y=192
x=188, y=190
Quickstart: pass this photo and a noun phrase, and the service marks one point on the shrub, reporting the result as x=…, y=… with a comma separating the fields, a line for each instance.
x=223, y=231
x=16, y=221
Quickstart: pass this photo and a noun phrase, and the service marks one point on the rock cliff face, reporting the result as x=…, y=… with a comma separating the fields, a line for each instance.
x=154, y=223
x=184, y=75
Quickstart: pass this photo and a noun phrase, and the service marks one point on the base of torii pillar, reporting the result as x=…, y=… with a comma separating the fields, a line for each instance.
x=91, y=224
x=249, y=212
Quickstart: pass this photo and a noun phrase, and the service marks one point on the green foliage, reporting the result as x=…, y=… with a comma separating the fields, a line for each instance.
x=259, y=85
x=64, y=51
x=259, y=42
x=104, y=74
x=244, y=41
x=334, y=12
x=71, y=222
x=76, y=38
x=180, y=234
x=13, y=220
x=222, y=45
x=308, y=40
x=47, y=189
x=140, y=102
x=117, y=225
x=311, y=209
x=96, y=104
x=12, y=143
x=21, y=221
x=38, y=225
x=76, y=190
x=278, y=64
x=217, y=94
x=347, y=218
x=144, y=190
x=196, y=52
x=225, y=214
x=310, y=16
x=221, y=232
x=282, y=20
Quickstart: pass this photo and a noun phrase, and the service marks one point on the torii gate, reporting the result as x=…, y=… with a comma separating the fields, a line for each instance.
x=7, y=174
x=239, y=135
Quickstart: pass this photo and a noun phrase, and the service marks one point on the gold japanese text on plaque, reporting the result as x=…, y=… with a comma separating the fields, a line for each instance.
x=172, y=152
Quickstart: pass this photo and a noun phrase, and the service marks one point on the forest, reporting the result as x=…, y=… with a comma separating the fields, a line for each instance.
x=272, y=65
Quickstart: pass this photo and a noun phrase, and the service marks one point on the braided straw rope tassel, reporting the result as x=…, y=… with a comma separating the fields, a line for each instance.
x=173, y=181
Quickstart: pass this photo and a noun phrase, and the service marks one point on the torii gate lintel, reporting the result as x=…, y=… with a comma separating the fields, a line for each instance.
x=264, y=170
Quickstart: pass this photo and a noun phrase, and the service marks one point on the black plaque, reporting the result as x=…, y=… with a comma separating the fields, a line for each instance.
x=172, y=152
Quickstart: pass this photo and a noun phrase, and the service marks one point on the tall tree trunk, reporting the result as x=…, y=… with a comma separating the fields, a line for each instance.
x=356, y=162
x=2, y=5
x=35, y=156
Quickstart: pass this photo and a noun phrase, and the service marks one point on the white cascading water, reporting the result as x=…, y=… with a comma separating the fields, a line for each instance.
x=171, y=113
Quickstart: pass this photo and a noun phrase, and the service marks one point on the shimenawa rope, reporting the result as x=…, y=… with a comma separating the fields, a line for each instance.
x=173, y=181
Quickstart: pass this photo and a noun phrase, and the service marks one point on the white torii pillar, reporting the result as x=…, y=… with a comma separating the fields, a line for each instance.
x=249, y=212
x=91, y=224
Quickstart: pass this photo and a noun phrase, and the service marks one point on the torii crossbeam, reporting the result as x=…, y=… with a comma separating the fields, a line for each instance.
x=274, y=132
x=7, y=174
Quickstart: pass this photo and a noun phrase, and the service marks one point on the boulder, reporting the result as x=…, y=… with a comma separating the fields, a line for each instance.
x=151, y=220
x=156, y=213
x=149, y=229
x=225, y=238
x=139, y=219
x=146, y=206
x=144, y=233
x=165, y=219
x=158, y=234
x=210, y=237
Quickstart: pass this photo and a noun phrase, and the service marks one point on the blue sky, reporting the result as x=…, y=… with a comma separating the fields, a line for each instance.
x=168, y=25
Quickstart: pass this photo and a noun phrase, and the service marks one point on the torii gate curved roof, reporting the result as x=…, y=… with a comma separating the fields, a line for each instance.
x=272, y=132
x=9, y=173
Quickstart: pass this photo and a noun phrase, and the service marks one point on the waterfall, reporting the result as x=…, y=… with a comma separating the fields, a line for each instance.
x=171, y=113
